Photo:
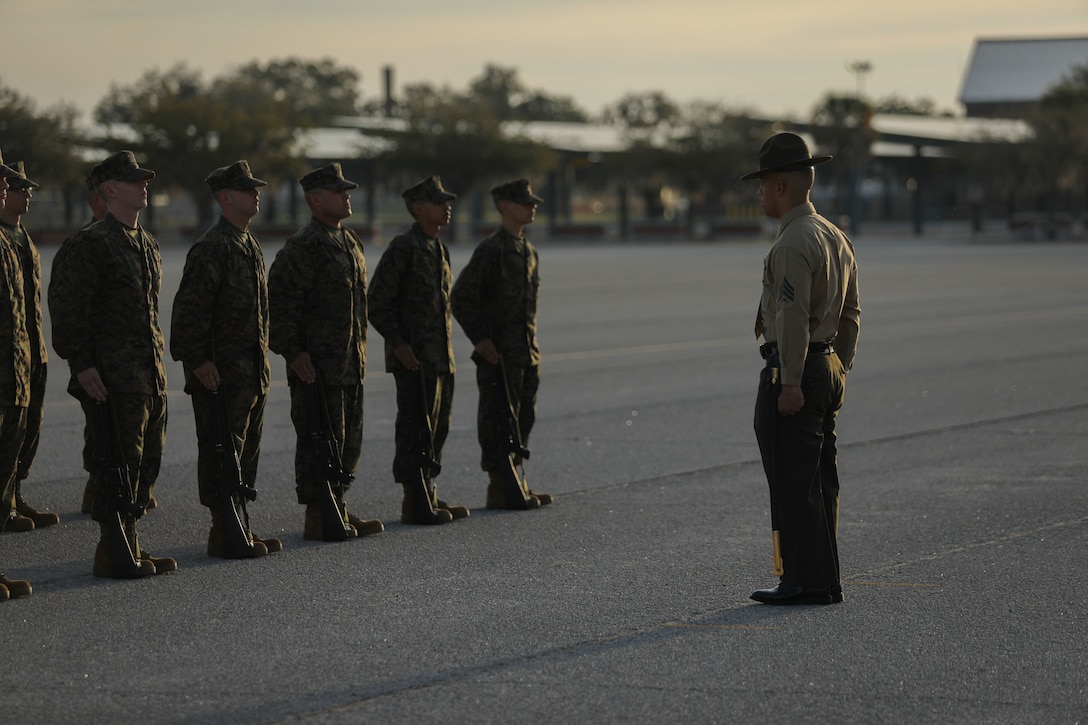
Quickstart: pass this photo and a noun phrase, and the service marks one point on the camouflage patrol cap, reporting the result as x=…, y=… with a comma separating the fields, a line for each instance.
x=6, y=171
x=19, y=181
x=517, y=191
x=327, y=177
x=237, y=176
x=121, y=166
x=429, y=189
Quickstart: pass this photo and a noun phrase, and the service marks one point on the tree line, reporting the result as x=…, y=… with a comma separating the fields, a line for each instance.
x=184, y=125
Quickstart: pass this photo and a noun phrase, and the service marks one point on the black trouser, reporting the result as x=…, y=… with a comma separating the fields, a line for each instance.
x=801, y=462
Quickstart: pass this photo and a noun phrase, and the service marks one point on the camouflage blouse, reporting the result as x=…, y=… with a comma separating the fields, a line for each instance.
x=221, y=307
x=104, y=305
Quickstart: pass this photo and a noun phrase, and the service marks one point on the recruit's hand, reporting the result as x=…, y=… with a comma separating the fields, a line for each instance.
x=208, y=375
x=486, y=349
x=790, y=400
x=91, y=382
x=304, y=368
x=407, y=356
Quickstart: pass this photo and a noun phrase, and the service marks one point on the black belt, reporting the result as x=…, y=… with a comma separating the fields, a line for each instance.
x=769, y=349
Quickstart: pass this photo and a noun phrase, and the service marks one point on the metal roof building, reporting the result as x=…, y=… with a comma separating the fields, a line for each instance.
x=1007, y=77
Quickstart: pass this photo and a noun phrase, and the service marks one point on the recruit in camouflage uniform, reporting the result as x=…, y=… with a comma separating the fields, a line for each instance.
x=219, y=331
x=104, y=305
x=495, y=300
x=317, y=299
x=98, y=213
x=410, y=308
x=14, y=377
x=25, y=516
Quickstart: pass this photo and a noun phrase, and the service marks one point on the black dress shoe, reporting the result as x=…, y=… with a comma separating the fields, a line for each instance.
x=790, y=594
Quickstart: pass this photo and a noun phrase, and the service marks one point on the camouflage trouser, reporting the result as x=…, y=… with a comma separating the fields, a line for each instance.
x=12, y=431
x=33, y=420
x=523, y=381
x=438, y=402
x=245, y=423
x=345, y=425
x=140, y=425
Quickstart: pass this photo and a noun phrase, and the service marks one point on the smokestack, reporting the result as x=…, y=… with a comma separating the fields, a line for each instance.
x=387, y=72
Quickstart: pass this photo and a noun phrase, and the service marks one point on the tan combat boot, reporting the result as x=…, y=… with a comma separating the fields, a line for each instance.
x=272, y=546
x=103, y=564
x=543, y=498
x=14, y=588
x=456, y=512
x=162, y=564
x=18, y=522
x=215, y=539
x=314, y=528
x=496, y=495
x=416, y=510
x=41, y=519
x=363, y=527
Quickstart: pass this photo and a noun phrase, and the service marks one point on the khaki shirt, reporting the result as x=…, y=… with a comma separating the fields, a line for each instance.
x=810, y=291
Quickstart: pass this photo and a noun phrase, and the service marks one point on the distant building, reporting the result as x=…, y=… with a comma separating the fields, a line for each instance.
x=1006, y=78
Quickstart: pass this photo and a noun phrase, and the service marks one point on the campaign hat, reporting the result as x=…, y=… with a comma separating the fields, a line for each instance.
x=19, y=181
x=784, y=152
x=429, y=189
x=517, y=190
x=121, y=166
x=327, y=177
x=236, y=176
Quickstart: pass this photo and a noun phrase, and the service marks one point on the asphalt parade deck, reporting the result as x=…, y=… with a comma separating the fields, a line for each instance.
x=964, y=526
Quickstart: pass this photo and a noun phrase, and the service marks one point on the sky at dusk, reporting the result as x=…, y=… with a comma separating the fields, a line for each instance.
x=777, y=58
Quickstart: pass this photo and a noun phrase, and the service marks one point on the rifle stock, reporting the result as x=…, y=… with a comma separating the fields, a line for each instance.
x=233, y=493
x=334, y=525
x=119, y=496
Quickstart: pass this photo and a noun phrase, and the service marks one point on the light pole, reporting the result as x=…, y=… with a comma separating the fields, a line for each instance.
x=859, y=68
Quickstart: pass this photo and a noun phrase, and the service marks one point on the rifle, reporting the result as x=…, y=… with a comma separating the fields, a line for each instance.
x=513, y=484
x=330, y=469
x=119, y=494
x=424, y=464
x=233, y=493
